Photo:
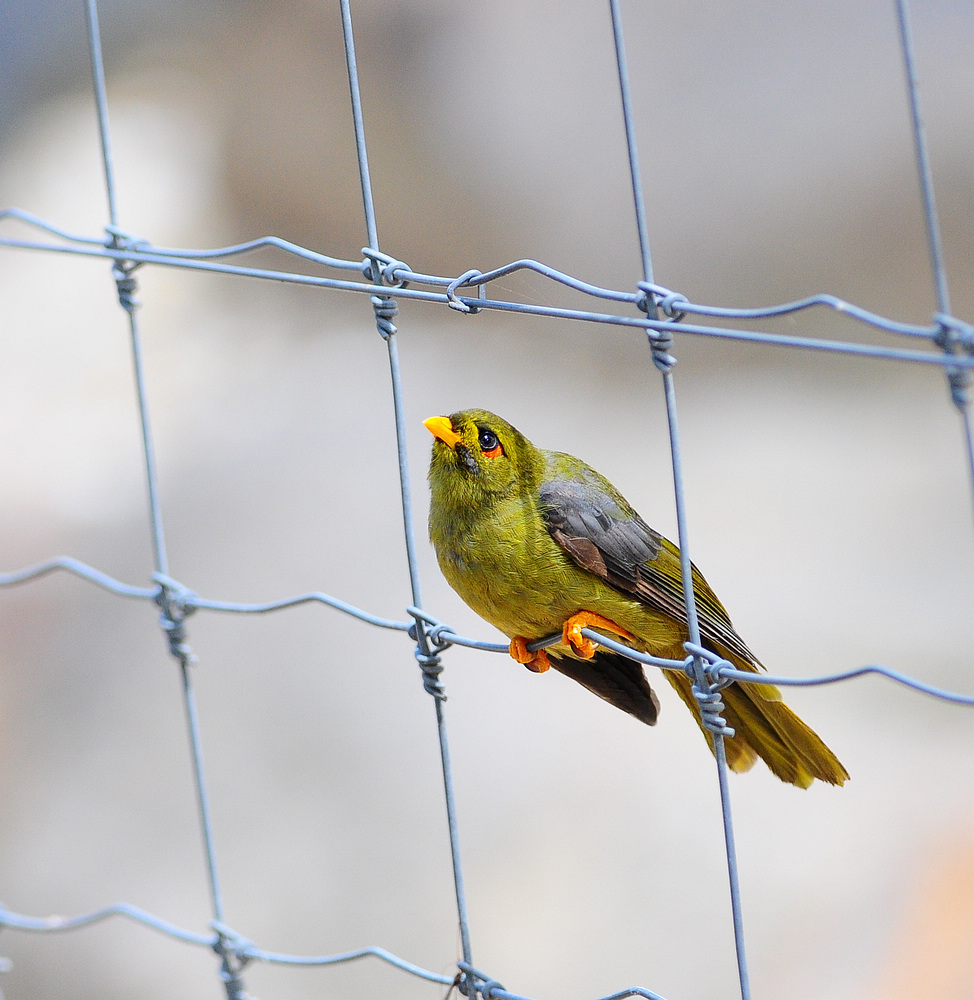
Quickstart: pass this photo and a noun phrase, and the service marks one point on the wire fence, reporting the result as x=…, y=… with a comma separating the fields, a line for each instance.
x=946, y=342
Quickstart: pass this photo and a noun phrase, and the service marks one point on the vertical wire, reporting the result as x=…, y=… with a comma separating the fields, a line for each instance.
x=389, y=334
x=405, y=489
x=959, y=380
x=422, y=639
x=693, y=627
x=358, y=120
x=625, y=93
x=126, y=289
x=682, y=528
x=669, y=389
x=148, y=452
x=202, y=799
x=924, y=170
x=969, y=441
x=101, y=102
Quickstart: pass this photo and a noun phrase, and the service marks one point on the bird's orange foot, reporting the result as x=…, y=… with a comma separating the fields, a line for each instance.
x=571, y=634
x=536, y=662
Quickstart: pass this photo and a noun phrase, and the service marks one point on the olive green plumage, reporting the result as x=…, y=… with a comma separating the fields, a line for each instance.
x=529, y=538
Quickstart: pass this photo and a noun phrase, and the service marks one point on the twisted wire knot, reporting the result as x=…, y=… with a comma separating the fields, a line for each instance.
x=123, y=270
x=453, y=301
x=125, y=284
x=711, y=707
x=487, y=986
x=671, y=303
x=703, y=669
x=437, y=639
x=959, y=380
x=472, y=981
x=952, y=333
x=176, y=604
x=432, y=667
x=229, y=941
x=439, y=635
x=232, y=983
x=661, y=341
x=385, y=309
x=232, y=949
x=380, y=268
x=953, y=336
x=710, y=664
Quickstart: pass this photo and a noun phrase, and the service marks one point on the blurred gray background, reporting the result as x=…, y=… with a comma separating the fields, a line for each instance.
x=827, y=496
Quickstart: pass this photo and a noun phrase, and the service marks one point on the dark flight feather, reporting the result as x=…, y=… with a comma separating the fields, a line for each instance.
x=611, y=540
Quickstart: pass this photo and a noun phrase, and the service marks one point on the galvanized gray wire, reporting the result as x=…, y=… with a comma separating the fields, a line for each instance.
x=947, y=342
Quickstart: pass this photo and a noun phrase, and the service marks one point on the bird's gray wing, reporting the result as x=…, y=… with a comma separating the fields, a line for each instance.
x=602, y=533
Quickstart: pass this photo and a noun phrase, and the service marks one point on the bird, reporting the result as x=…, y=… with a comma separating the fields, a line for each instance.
x=538, y=543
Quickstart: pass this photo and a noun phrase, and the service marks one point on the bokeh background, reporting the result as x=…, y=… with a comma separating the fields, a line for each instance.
x=827, y=495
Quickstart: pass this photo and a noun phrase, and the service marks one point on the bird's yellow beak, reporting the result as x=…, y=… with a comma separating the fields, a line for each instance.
x=442, y=429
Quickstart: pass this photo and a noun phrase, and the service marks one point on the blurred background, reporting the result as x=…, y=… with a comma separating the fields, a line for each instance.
x=828, y=500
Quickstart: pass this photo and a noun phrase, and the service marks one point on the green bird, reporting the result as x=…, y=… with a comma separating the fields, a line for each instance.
x=537, y=543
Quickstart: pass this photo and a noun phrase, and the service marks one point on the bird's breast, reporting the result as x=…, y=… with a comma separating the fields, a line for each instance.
x=508, y=569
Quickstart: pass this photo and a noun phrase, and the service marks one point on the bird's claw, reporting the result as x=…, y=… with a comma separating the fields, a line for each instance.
x=571, y=634
x=536, y=661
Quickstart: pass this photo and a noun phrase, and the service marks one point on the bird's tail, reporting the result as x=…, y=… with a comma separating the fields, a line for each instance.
x=764, y=726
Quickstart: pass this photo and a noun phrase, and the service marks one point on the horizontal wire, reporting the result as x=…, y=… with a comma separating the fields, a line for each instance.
x=290, y=602
x=57, y=924
x=141, y=252
x=242, y=949
x=634, y=991
x=37, y=222
x=673, y=303
x=722, y=669
x=279, y=958
x=264, y=241
x=143, y=245
x=525, y=308
x=189, y=600
x=490, y=989
x=402, y=273
x=247, y=951
x=78, y=568
x=444, y=635
x=873, y=668
x=398, y=272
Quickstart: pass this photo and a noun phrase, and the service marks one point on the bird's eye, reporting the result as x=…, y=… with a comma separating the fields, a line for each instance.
x=489, y=444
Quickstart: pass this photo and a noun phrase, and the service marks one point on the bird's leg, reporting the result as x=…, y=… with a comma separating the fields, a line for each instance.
x=571, y=634
x=536, y=662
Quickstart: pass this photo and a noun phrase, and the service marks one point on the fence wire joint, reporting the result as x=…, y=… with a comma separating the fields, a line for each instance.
x=385, y=309
x=465, y=279
x=383, y=269
x=703, y=669
x=472, y=982
x=669, y=302
x=176, y=603
x=431, y=638
x=233, y=950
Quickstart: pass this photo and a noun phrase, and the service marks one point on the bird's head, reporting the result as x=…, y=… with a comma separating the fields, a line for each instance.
x=478, y=457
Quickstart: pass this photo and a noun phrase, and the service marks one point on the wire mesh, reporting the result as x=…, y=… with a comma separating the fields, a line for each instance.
x=946, y=343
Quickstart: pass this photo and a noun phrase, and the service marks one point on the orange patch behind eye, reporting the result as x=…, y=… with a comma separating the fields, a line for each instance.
x=494, y=452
